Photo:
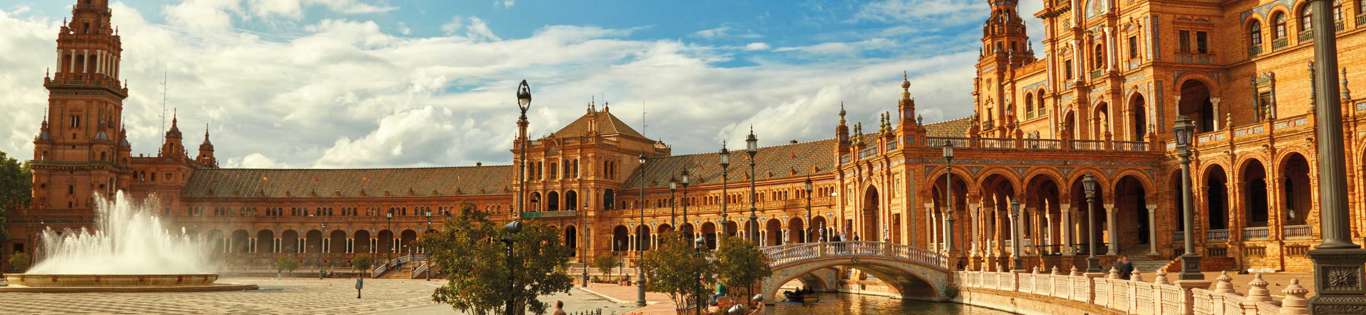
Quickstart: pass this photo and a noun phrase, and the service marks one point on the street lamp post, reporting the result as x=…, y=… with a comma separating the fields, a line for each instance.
x=697, y=244
x=1337, y=261
x=512, y=228
x=321, y=249
x=752, y=149
x=389, y=221
x=1088, y=184
x=429, y=234
x=673, y=188
x=1015, y=235
x=523, y=103
x=725, y=199
x=806, y=235
x=948, y=195
x=685, y=197
x=1190, y=263
x=640, y=241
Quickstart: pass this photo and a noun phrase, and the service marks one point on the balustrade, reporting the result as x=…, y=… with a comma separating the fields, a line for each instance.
x=1133, y=296
x=1255, y=233
x=1298, y=231
x=1216, y=235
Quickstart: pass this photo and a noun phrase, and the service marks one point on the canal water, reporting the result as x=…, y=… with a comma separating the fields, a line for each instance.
x=849, y=304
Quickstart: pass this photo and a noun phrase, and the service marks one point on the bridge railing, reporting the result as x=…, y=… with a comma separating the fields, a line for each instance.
x=1136, y=296
x=791, y=253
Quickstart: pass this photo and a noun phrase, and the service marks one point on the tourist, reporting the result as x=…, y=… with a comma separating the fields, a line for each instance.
x=1125, y=267
x=559, y=308
x=360, y=283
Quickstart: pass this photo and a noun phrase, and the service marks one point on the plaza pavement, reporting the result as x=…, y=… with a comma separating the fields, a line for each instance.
x=285, y=296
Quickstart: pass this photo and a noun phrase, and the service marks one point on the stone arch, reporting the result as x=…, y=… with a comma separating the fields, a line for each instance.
x=1138, y=117
x=1094, y=225
x=1100, y=120
x=643, y=237
x=821, y=228
x=313, y=241
x=910, y=280
x=1141, y=178
x=265, y=241
x=1294, y=184
x=407, y=241
x=688, y=230
x=337, y=242
x=620, y=239
x=1078, y=174
x=1002, y=173
x=1252, y=181
x=870, y=214
x=1197, y=94
x=796, y=230
x=1132, y=225
x=361, y=239
x=709, y=234
x=773, y=230
x=1215, y=183
x=664, y=228
x=385, y=241
x=960, y=175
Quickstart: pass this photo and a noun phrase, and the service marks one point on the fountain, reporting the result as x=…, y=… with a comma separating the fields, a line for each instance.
x=130, y=250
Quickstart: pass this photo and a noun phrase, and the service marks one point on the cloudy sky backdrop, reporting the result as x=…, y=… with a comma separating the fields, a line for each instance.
x=393, y=83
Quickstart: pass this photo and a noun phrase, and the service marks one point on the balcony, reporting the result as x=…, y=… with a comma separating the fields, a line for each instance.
x=1306, y=36
x=1254, y=51
x=1279, y=43
x=1254, y=233
x=1216, y=235
x=1096, y=74
x=1298, y=231
x=529, y=215
x=1361, y=19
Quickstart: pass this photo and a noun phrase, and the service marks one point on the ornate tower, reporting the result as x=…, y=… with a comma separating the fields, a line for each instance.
x=205, y=157
x=172, y=147
x=81, y=150
x=1005, y=48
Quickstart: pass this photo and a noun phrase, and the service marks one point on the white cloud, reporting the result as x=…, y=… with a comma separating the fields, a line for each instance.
x=716, y=32
x=952, y=12
x=840, y=48
x=505, y=3
x=294, y=8
x=346, y=93
x=473, y=28
x=756, y=46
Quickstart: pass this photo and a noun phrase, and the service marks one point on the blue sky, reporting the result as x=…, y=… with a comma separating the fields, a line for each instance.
x=378, y=83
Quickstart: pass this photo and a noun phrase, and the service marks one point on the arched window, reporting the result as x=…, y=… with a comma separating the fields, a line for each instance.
x=1042, y=110
x=1337, y=14
x=1099, y=61
x=1254, y=37
x=1029, y=105
x=1306, y=20
x=1278, y=25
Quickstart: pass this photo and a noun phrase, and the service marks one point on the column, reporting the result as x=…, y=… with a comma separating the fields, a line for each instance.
x=1152, y=229
x=1066, y=229
x=59, y=61
x=1217, y=120
x=71, y=64
x=1110, y=226
x=1048, y=227
x=275, y=245
x=228, y=241
x=85, y=67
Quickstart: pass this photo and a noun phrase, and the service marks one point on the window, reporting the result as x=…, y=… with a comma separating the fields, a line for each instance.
x=1278, y=26
x=1185, y=42
x=1254, y=36
x=1067, y=69
x=1201, y=42
x=1099, y=61
x=1306, y=18
x=1133, y=47
x=1263, y=103
x=75, y=121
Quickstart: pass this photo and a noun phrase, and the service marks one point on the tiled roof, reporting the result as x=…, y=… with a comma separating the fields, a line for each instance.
x=349, y=183
x=606, y=123
x=790, y=160
x=949, y=128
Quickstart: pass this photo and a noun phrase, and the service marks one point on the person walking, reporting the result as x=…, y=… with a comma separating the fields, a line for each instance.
x=559, y=308
x=1126, y=268
x=360, y=283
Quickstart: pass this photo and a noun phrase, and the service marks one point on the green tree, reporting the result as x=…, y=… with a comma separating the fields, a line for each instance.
x=605, y=263
x=19, y=262
x=470, y=252
x=286, y=264
x=740, y=264
x=674, y=267
x=361, y=262
x=15, y=181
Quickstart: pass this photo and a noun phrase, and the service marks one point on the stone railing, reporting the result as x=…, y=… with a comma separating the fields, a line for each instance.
x=1136, y=296
x=1298, y=231
x=1038, y=144
x=397, y=261
x=797, y=252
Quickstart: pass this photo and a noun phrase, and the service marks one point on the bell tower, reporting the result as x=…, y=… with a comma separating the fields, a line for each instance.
x=80, y=149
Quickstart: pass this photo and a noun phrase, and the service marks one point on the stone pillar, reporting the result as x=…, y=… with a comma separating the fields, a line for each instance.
x=1152, y=230
x=1048, y=226
x=1110, y=226
x=251, y=247
x=1066, y=230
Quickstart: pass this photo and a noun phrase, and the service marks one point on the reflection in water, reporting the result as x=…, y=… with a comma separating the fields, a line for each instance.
x=848, y=304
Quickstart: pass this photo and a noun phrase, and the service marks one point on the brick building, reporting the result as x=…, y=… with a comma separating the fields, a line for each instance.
x=1100, y=104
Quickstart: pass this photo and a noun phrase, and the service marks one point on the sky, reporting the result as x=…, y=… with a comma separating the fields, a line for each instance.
x=408, y=83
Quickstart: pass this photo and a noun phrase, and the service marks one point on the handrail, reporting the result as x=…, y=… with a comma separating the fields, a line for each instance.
x=796, y=253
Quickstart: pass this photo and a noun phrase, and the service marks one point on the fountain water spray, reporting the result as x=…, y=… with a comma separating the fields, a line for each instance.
x=128, y=240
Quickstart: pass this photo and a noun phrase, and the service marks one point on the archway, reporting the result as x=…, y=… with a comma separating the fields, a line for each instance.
x=1043, y=211
x=1216, y=198
x=571, y=200
x=709, y=233
x=688, y=231
x=665, y=228
x=536, y=201
x=407, y=239
x=731, y=228
x=265, y=241
x=1131, y=216
x=385, y=241
x=1081, y=230
x=620, y=239
x=818, y=229
x=552, y=201
x=1296, y=188
x=643, y=237
x=1100, y=121
x=956, y=207
x=870, y=215
x=796, y=231
x=910, y=280
x=313, y=241
x=1254, y=194
x=361, y=242
x=1138, y=118
x=241, y=241
x=774, y=232
x=289, y=242
x=1196, y=104
x=338, y=242
x=215, y=237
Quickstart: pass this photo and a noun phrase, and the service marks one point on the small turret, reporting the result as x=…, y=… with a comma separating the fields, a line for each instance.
x=172, y=147
x=206, y=157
